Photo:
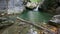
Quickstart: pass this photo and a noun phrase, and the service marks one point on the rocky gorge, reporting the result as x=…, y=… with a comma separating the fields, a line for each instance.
x=30, y=17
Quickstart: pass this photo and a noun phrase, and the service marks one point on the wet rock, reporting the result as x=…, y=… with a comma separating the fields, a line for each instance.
x=55, y=21
x=2, y=19
x=4, y=22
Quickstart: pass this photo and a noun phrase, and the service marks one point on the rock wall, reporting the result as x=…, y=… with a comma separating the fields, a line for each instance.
x=15, y=6
x=50, y=5
x=3, y=4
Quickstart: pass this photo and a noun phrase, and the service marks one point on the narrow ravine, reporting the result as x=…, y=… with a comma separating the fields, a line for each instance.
x=34, y=16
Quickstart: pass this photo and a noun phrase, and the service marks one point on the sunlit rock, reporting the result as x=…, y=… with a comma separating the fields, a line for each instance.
x=31, y=5
x=56, y=19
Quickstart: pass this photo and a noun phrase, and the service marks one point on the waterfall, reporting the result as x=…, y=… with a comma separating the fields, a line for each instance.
x=39, y=5
x=36, y=9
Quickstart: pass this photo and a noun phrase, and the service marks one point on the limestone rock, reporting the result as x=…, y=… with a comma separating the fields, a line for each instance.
x=31, y=5
x=15, y=6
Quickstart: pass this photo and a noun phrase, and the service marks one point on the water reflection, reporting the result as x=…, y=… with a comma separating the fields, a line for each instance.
x=35, y=17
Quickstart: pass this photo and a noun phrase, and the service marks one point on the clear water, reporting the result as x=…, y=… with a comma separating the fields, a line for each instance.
x=36, y=9
x=35, y=17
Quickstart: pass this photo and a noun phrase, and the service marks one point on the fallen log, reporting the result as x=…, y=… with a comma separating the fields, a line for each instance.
x=37, y=26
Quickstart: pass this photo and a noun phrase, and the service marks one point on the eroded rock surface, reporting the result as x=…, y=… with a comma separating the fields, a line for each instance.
x=55, y=20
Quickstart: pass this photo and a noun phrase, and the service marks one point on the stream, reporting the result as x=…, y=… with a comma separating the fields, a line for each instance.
x=35, y=16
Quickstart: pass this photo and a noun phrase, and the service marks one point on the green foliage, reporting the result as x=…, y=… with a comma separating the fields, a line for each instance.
x=35, y=0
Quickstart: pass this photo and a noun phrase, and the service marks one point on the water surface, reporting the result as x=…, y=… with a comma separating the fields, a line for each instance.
x=35, y=16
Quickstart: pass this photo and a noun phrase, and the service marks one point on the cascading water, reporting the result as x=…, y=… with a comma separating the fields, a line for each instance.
x=39, y=5
x=34, y=18
x=36, y=9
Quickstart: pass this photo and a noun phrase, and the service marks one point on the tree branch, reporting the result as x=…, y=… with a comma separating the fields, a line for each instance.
x=39, y=27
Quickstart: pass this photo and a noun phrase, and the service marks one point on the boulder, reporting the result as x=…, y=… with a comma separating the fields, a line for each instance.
x=55, y=20
x=31, y=5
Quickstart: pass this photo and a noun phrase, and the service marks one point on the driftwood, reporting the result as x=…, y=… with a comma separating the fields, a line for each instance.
x=37, y=26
